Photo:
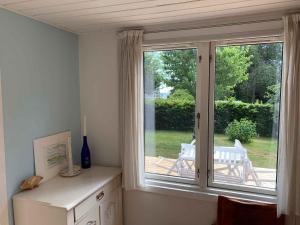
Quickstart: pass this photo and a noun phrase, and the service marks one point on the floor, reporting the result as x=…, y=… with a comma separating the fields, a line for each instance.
x=266, y=177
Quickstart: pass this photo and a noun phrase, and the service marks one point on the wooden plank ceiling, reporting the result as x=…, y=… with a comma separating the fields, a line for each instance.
x=82, y=16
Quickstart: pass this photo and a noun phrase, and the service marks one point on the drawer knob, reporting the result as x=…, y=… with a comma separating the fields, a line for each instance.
x=100, y=196
x=91, y=222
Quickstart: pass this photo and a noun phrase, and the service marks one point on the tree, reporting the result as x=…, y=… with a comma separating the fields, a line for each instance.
x=264, y=72
x=181, y=94
x=153, y=72
x=180, y=69
x=273, y=94
x=232, y=63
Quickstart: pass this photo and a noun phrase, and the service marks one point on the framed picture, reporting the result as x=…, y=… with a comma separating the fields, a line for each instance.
x=50, y=154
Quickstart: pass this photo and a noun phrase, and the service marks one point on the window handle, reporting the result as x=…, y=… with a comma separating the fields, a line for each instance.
x=100, y=196
x=198, y=120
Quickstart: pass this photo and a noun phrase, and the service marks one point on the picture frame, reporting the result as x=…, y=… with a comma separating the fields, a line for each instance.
x=50, y=154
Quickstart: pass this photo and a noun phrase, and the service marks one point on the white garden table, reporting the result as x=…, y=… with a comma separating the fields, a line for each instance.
x=234, y=158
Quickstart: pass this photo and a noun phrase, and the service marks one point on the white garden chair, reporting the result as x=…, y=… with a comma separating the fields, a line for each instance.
x=236, y=162
x=185, y=163
x=235, y=159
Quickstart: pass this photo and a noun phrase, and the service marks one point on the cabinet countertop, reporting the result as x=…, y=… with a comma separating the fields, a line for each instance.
x=68, y=192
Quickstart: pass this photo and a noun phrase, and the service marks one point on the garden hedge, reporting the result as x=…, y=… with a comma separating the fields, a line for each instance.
x=179, y=115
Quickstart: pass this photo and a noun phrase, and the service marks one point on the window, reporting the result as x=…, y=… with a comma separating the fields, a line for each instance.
x=245, y=115
x=170, y=102
x=212, y=113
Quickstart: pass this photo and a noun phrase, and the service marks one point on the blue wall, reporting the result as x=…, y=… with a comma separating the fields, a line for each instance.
x=40, y=81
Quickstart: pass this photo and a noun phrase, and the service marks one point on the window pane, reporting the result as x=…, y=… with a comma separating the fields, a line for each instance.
x=246, y=114
x=170, y=90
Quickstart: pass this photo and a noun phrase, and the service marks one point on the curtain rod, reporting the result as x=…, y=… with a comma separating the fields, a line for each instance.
x=213, y=26
x=190, y=26
x=198, y=26
x=128, y=29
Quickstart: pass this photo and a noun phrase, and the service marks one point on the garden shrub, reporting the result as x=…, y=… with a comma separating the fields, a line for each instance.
x=174, y=114
x=243, y=130
x=179, y=114
x=181, y=94
x=260, y=113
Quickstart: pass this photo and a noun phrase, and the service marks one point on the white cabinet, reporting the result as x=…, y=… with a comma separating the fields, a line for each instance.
x=111, y=209
x=92, y=198
x=91, y=217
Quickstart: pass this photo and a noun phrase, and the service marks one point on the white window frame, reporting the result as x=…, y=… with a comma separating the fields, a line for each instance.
x=211, y=182
x=204, y=135
x=200, y=68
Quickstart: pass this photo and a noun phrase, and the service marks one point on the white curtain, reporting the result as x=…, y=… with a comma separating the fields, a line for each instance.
x=131, y=108
x=289, y=141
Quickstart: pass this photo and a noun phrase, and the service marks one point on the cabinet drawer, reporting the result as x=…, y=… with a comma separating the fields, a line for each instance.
x=95, y=199
x=92, y=217
x=84, y=207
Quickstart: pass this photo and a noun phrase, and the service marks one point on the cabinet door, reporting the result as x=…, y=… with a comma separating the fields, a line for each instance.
x=91, y=218
x=111, y=208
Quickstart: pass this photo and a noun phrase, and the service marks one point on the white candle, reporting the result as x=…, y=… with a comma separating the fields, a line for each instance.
x=84, y=125
x=70, y=159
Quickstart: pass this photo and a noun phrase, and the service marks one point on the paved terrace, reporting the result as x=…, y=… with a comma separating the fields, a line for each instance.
x=266, y=177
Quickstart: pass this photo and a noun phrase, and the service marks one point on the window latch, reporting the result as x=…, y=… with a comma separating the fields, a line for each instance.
x=198, y=120
x=210, y=58
x=208, y=173
x=198, y=173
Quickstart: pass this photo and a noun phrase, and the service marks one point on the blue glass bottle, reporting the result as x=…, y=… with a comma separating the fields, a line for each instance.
x=85, y=154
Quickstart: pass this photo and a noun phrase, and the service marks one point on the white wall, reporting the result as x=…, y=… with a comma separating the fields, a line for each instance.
x=3, y=193
x=99, y=101
x=40, y=90
x=142, y=208
x=98, y=70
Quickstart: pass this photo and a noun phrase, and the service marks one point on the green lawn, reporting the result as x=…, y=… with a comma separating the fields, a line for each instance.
x=261, y=151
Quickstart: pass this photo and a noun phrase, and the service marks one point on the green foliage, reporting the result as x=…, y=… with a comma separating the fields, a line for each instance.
x=172, y=114
x=180, y=115
x=181, y=94
x=246, y=72
x=273, y=94
x=243, y=130
x=180, y=68
x=153, y=72
x=264, y=72
x=232, y=63
x=260, y=113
